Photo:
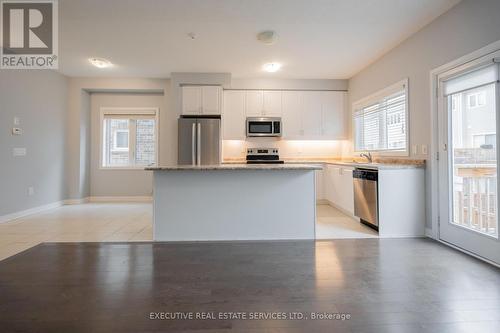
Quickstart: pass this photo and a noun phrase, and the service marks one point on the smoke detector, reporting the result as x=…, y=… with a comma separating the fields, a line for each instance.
x=267, y=37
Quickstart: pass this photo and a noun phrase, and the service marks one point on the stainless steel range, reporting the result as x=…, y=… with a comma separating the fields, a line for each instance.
x=263, y=156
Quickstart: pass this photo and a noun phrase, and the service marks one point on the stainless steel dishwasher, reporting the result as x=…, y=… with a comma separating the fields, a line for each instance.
x=365, y=183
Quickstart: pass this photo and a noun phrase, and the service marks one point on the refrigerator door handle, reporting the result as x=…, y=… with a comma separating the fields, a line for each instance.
x=193, y=144
x=199, y=144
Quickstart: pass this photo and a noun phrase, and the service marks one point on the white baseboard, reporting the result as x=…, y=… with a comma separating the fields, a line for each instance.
x=34, y=210
x=76, y=201
x=469, y=253
x=429, y=233
x=328, y=202
x=121, y=199
x=39, y=209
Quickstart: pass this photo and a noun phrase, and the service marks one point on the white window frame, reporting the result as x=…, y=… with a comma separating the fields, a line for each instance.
x=435, y=89
x=132, y=112
x=373, y=99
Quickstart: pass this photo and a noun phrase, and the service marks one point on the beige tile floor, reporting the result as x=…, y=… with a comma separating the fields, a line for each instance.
x=93, y=222
x=331, y=223
x=120, y=222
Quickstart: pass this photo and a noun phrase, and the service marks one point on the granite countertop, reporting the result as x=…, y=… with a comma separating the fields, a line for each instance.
x=377, y=166
x=238, y=166
x=382, y=164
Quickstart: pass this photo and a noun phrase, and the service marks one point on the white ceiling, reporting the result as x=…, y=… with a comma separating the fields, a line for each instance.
x=316, y=38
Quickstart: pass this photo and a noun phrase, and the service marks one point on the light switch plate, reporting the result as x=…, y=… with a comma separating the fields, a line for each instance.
x=424, y=149
x=19, y=151
x=31, y=191
x=17, y=121
x=414, y=150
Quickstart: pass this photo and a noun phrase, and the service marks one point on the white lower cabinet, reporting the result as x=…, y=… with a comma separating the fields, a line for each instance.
x=320, y=193
x=338, y=187
x=346, y=199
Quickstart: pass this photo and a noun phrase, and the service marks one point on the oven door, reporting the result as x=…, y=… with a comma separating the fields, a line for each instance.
x=262, y=127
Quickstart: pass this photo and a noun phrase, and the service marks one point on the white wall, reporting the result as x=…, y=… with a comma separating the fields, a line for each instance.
x=112, y=182
x=468, y=26
x=39, y=99
x=78, y=125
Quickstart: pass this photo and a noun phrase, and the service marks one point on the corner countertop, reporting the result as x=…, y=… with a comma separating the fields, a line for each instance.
x=238, y=166
x=380, y=164
x=373, y=165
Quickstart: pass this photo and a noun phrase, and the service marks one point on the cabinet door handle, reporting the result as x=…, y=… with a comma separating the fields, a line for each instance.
x=198, y=150
x=193, y=144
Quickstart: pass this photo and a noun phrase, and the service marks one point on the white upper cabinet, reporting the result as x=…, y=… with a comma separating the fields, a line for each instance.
x=306, y=115
x=191, y=100
x=292, y=115
x=263, y=103
x=233, y=117
x=211, y=99
x=201, y=100
x=272, y=104
x=333, y=115
x=254, y=103
x=312, y=114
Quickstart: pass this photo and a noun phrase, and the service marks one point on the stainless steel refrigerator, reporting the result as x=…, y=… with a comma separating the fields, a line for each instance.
x=199, y=140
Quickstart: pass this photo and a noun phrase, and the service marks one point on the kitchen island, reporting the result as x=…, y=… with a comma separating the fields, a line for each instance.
x=234, y=202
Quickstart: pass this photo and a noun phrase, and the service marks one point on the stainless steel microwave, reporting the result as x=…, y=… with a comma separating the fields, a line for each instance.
x=263, y=126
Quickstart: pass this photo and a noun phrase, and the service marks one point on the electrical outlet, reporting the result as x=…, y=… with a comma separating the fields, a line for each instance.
x=424, y=149
x=19, y=151
x=414, y=150
x=17, y=131
x=31, y=191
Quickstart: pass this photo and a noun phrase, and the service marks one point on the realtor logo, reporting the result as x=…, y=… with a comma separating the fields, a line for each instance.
x=29, y=34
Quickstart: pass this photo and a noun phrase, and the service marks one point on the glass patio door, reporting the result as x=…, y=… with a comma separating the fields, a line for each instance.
x=468, y=168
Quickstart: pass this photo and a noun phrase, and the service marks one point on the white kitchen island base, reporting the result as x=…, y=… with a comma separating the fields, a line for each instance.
x=247, y=203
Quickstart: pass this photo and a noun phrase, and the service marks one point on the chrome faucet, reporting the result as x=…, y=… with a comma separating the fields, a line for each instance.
x=368, y=156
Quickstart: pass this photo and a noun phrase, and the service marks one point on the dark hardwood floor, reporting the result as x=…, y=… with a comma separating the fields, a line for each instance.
x=390, y=285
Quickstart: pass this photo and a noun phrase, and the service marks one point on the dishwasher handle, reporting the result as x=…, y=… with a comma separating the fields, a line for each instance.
x=366, y=174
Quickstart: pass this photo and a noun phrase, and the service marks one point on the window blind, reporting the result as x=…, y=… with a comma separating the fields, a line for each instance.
x=472, y=79
x=381, y=125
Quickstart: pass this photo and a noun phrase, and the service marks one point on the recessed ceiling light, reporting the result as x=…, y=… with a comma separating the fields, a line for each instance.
x=100, y=62
x=272, y=67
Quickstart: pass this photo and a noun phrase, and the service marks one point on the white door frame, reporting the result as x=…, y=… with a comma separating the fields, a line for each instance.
x=435, y=133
